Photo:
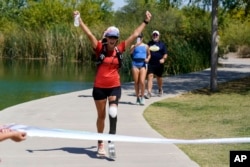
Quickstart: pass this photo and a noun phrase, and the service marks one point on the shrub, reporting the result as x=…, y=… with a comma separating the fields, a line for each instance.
x=244, y=51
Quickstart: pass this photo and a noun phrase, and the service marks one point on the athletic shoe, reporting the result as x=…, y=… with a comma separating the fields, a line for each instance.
x=138, y=101
x=148, y=96
x=100, y=150
x=142, y=101
x=160, y=93
x=111, y=149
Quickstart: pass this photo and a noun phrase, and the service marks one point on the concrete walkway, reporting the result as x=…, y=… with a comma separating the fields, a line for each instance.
x=76, y=111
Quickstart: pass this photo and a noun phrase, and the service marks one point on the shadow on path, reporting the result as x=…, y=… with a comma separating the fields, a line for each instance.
x=74, y=150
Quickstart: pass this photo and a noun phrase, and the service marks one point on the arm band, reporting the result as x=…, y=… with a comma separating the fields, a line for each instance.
x=144, y=21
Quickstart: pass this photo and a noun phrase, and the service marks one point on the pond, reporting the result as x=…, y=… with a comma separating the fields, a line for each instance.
x=25, y=80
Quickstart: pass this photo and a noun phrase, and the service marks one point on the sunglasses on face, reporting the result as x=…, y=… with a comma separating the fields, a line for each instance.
x=112, y=37
x=155, y=35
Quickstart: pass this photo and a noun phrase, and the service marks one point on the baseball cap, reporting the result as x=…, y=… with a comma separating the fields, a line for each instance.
x=112, y=32
x=156, y=32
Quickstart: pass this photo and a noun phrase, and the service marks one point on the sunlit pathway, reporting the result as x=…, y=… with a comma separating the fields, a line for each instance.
x=76, y=111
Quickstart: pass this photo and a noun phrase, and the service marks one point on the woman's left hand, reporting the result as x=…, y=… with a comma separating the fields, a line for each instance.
x=148, y=16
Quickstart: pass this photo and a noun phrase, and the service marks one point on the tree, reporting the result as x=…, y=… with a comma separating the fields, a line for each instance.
x=11, y=8
x=227, y=5
x=214, y=46
x=231, y=5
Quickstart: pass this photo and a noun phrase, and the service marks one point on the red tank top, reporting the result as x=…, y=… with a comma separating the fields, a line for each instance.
x=107, y=75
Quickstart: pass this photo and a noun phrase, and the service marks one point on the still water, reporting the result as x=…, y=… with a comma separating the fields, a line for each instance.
x=25, y=80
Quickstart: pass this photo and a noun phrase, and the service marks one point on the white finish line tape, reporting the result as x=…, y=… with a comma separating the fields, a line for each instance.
x=83, y=135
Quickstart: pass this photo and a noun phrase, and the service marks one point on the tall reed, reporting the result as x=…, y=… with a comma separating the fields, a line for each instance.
x=67, y=43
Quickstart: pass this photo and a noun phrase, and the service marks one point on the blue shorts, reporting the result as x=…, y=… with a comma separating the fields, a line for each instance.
x=138, y=64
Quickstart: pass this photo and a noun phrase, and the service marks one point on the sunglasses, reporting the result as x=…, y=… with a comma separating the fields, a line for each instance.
x=155, y=35
x=112, y=37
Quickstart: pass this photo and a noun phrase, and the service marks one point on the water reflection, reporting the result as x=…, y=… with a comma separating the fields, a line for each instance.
x=24, y=80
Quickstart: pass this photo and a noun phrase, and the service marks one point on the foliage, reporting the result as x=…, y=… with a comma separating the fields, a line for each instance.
x=44, y=14
x=228, y=6
x=44, y=29
x=234, y=5
x=188, y=44
x=11, y=8
x=234, y=33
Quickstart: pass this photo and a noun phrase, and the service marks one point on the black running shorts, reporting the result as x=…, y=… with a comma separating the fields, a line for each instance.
x=156, y=69
x=104, y=93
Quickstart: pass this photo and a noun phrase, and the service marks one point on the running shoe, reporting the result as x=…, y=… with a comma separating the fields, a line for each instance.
x=142, y=101
x=160, y=92
x=148, y=96
x=100, y=150
x=138, y=101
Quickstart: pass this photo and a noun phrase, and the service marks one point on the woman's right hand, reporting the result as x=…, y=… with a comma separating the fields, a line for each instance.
x=76, y=13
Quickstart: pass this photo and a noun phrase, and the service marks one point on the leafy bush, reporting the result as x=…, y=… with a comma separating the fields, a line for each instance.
x=37, y=33
x=235, y=36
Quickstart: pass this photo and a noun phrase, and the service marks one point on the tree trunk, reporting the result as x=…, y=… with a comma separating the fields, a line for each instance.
x=214, y=47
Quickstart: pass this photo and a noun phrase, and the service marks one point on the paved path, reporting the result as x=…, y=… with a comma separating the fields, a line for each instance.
x=76, y=111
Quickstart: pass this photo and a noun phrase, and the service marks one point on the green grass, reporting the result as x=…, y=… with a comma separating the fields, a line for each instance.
x=200, y=114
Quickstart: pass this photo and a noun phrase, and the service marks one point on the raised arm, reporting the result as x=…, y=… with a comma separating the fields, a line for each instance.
x=138, y=30
x=87, y=31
